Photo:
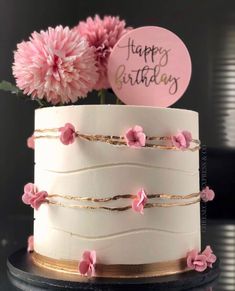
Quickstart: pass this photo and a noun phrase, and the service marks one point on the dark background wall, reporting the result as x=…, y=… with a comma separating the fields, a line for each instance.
x=208, y=30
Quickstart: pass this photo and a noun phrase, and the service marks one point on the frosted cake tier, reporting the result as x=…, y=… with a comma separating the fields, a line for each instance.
x=98, y=170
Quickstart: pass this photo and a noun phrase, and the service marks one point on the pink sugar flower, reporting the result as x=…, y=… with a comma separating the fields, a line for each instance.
x=32, y=197
x=87, y=264
x=30, y=142
x=135, y=137
x=57, y=65
x=30, y=247
x=207, y=194
x=102, y=34
x=210, y=257
x=68, y=134
x=140, y=201
x=182, y=139
x=196, y=261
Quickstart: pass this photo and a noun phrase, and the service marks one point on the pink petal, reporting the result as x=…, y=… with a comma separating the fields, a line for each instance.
x=30, y=188
x=26, y=198
x=137, y=207
x=191, y=257
x=86, y=256
x=179, y=141
x=38, y=199
x=176, y=141
x=93, y=257
x=208, y=251
x=83, y=267
x=200, y=263
x=210, y=195
x=91, y=270
x=29, y=192
x=89, y=256
x=129, y=135
x=141, y=195
x=200, y=267
x=139, y=202
x=210, y=257
x=188, y=137
x=30, y=142
x=30, y=247
x=141, y=138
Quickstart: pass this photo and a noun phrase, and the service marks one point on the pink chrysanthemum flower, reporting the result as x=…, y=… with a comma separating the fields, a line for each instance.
x=57, y=65
x=103, y=34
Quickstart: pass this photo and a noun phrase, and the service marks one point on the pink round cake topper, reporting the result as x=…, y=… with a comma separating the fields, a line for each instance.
x=149, y=66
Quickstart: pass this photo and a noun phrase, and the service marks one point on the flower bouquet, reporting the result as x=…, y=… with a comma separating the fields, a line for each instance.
x=60, y=66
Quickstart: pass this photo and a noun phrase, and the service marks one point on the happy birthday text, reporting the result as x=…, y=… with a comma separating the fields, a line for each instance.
x=155, y=58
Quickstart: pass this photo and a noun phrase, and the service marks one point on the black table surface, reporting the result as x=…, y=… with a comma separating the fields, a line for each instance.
x=220, y=234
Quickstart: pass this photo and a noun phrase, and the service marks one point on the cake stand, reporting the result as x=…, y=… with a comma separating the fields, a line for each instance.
x=24, y=274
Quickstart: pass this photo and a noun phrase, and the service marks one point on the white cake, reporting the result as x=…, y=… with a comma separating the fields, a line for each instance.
x=98, y=170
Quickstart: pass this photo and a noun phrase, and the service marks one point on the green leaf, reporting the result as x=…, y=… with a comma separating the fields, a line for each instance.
x=42, y=103
x=7, y=86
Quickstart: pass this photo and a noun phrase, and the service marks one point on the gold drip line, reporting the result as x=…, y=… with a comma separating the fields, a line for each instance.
x=115, y=140
x=123, y=208
x=124, y=196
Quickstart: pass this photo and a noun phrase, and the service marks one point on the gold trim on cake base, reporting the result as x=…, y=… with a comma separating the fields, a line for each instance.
x=114, y=271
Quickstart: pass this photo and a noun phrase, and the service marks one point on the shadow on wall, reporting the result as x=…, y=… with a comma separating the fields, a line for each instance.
x=219, y=175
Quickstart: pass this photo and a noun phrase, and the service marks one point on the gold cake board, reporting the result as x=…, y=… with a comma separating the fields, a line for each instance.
x=114, y=271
